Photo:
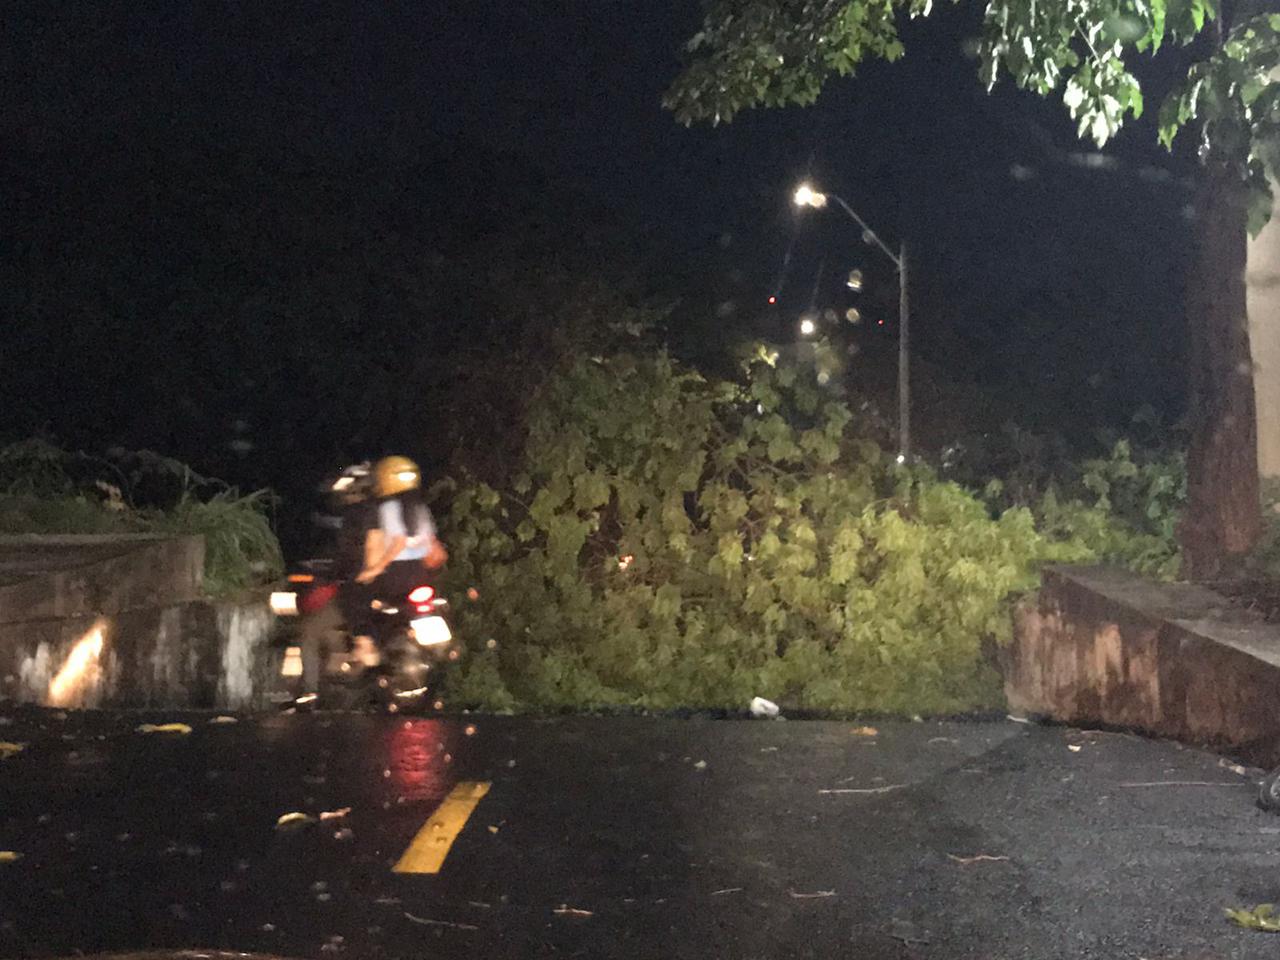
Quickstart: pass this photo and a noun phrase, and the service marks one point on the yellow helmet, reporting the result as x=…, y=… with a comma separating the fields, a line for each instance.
x=394, y=475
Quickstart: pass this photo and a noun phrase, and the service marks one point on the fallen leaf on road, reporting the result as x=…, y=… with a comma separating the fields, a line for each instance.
x=335, y=814
x=8, y=749
x=816, y=895
x=700, y=765
x=224, y=719
x=292, y=821
x=440, y=923
x=1262, y=917
x=493, y=829
x=721, y=893
x=164, y=728
x=865, y=731
x=1226, y=764
x=1016, y=719
x=1074, y=747
x=566, y=911
x=8, y=856
x=979, y=858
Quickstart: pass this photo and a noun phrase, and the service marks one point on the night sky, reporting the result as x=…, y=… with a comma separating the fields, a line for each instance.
x=1037, y=260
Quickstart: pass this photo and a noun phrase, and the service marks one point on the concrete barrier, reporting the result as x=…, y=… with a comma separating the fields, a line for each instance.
x=1103, y=646
x=120, y=622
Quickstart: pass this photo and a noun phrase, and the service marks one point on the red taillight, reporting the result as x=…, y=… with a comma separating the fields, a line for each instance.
x=421, y=595
x=317, y=598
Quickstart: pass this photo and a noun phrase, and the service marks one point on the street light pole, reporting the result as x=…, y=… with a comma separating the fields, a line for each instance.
x=806, y=196
x=904, y=355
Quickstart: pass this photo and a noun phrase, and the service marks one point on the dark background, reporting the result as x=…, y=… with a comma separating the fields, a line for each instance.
x=266, y=237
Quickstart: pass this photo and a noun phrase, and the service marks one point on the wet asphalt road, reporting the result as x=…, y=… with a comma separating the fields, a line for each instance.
x=609, y=838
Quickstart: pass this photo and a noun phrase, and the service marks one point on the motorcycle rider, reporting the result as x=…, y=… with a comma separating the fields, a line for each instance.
x=401, y=541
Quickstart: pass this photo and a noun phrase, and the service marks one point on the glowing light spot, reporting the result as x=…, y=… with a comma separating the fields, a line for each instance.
x=773, y=299
x=625, y=561
x=79, y=672
x=807, y=327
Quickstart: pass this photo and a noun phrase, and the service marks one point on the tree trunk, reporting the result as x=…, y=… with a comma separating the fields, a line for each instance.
x=1223, y=517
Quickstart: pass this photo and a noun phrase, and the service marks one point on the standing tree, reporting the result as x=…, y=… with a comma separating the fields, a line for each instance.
x=778, y=52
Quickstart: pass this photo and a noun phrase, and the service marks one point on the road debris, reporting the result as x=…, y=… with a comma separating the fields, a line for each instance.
x=1074, y=747
x=180, y=728
x=1183, y=783
x=565, y=910
x=865, y=732
x=441, y=923
x=885, y=789
x=335, y=814
x=721, y=893
x=943, y=740
x=294, y=821
x=1236, y=768
x=816, y=895
x=768, y=749
x=1010, y=716
x=9, y=749
x=224, y=719
x=9, y=856
x=908, y=933
x=1263, y=917
x=977, y=858
x=479, y=905
x=493, y=829
x=343, y=835
x=700, y=765
x=760, y=707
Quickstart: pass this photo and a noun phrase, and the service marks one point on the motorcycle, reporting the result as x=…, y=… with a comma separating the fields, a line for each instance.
x=410, y=633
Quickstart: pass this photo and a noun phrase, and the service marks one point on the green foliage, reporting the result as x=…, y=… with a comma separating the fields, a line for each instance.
x=1124, y=507
x=44, y=489
x=776, y=52
x=670, y=541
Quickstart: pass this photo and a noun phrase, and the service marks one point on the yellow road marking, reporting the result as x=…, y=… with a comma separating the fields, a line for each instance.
x=429, y=848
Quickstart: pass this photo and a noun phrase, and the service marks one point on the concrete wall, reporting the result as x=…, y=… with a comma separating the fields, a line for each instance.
x=119, y=622
x=1102, y=646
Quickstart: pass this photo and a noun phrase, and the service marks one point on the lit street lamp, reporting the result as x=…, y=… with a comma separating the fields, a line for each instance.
x=807, y=196
x=807, y=327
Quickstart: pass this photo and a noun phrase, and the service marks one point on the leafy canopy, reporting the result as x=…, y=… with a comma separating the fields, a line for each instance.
x=776, y=52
